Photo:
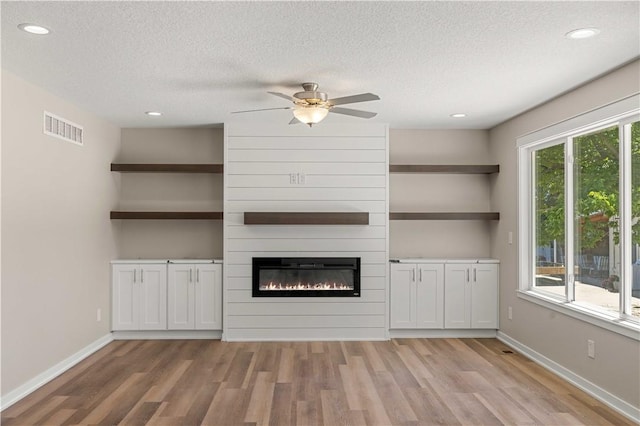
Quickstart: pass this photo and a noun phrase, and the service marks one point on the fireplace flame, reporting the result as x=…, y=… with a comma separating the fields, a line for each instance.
x=304, y=286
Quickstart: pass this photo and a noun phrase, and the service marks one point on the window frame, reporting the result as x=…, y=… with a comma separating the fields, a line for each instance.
x=621, y=113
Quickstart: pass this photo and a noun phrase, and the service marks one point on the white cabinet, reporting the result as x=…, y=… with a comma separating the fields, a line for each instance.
x=195, y=296
x=471, y=295
x=417, y=295
x=139, y=296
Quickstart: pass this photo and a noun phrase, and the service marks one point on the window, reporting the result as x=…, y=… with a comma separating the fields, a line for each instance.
x=579, y=199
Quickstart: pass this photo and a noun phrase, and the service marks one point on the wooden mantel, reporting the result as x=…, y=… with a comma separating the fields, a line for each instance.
x=306, y=218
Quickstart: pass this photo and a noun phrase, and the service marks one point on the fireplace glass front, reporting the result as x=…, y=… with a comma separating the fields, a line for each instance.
x=306, y=277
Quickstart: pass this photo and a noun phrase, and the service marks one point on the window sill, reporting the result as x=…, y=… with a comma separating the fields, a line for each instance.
x=626, y=328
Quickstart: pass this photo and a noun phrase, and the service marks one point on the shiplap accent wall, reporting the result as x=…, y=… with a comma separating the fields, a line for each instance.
x=346, y=170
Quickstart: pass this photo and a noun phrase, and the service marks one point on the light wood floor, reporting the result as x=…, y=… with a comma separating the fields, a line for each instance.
x=400, y=382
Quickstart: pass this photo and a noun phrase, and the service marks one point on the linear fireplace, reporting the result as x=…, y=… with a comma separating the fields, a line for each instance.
x=306, y=277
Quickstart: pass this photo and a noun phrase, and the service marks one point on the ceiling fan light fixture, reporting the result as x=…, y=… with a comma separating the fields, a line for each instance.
x=310, y=114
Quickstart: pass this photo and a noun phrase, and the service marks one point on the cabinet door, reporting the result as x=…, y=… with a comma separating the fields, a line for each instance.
x=153, y=297
x=181, y=297
x=430, y=296
x=457, y=298
x=124, y=297
x=484, y=296
x=208, y=297
x=403, y=295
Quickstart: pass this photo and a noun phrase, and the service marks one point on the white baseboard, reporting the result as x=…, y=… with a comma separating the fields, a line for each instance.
x=441, y=333
x=167, y=334
x=621, y=406
x=46, y=376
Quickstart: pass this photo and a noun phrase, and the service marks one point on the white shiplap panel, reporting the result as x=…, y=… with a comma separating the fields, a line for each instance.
x=340, y=307
x=318, y=333
x=311, y=181
x=307, y=155
x=304, y=321
x=244, y=296
x=245, y=257
x=300, y=193
x=281, y=131
x=292, y=244
x=366, y=283
x=277, y=143
x=305, y=231
x=305, y=206
x=244, y=270
x=346, y=170
x=311, y=168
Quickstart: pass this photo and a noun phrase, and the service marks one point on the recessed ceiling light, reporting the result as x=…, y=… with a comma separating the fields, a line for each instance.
x=458, y=115
x=34, y=29
x=581, y=33
x=153, y=113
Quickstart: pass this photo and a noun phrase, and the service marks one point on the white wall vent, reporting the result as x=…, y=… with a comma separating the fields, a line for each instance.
x=62, y=128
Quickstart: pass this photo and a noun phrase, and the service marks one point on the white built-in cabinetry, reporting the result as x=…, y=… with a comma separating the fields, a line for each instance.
x=417, y=295
x=195, y=296
x=166, y=295
x=444, y=294
x=139, y=296
x=471, y=295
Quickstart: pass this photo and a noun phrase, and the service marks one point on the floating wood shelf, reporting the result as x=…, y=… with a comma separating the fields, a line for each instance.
x=302, y=218
x=167, y=215
x=167, y=168
x=445, y=168
x=445, y=216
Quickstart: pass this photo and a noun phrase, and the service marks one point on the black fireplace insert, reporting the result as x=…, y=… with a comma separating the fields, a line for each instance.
x=306, y=277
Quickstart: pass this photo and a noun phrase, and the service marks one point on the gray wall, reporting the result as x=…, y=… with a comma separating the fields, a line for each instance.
x=415, y=192
x=57, y=238
x=560, y=338
x=171, y=192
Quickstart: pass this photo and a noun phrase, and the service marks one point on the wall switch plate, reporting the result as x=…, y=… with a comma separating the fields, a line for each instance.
x=510, y=237
x=99, y=315
x=591, y=349
x=510, y=313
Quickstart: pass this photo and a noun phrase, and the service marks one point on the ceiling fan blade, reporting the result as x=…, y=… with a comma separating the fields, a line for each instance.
x=263, y=109
x=295, y=121
x=282, y=95
x=354, y=112
x=363, y=97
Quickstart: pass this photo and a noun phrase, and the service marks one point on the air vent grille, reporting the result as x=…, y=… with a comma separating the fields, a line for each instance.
x=61, y=128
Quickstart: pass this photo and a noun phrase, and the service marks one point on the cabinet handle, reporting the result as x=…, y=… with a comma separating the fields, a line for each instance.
x=198, y=275
x=474, y=275
x=141, y=275
x=413, y=275
x=420, y=270
x=467, y=274
x=134, y=275
x=190, y=275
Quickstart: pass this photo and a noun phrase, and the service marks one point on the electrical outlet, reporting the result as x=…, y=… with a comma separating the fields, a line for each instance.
x=510, y=313
x=591, y=349
x=292, y=178
x=99, y=315
x=301, y=178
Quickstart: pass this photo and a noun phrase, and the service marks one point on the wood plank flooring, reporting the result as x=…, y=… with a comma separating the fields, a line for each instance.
x=399, y=382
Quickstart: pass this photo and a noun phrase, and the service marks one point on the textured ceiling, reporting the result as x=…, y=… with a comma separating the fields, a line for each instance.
x=198, y=61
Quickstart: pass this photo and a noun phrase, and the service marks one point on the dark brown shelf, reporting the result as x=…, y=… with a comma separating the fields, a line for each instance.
x=445, y=168
x=167, y=168
x=303, y=218
x=167, y=215
x=445, y=216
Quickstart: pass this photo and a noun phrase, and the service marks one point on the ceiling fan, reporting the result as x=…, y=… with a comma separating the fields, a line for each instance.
x=311, y=106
